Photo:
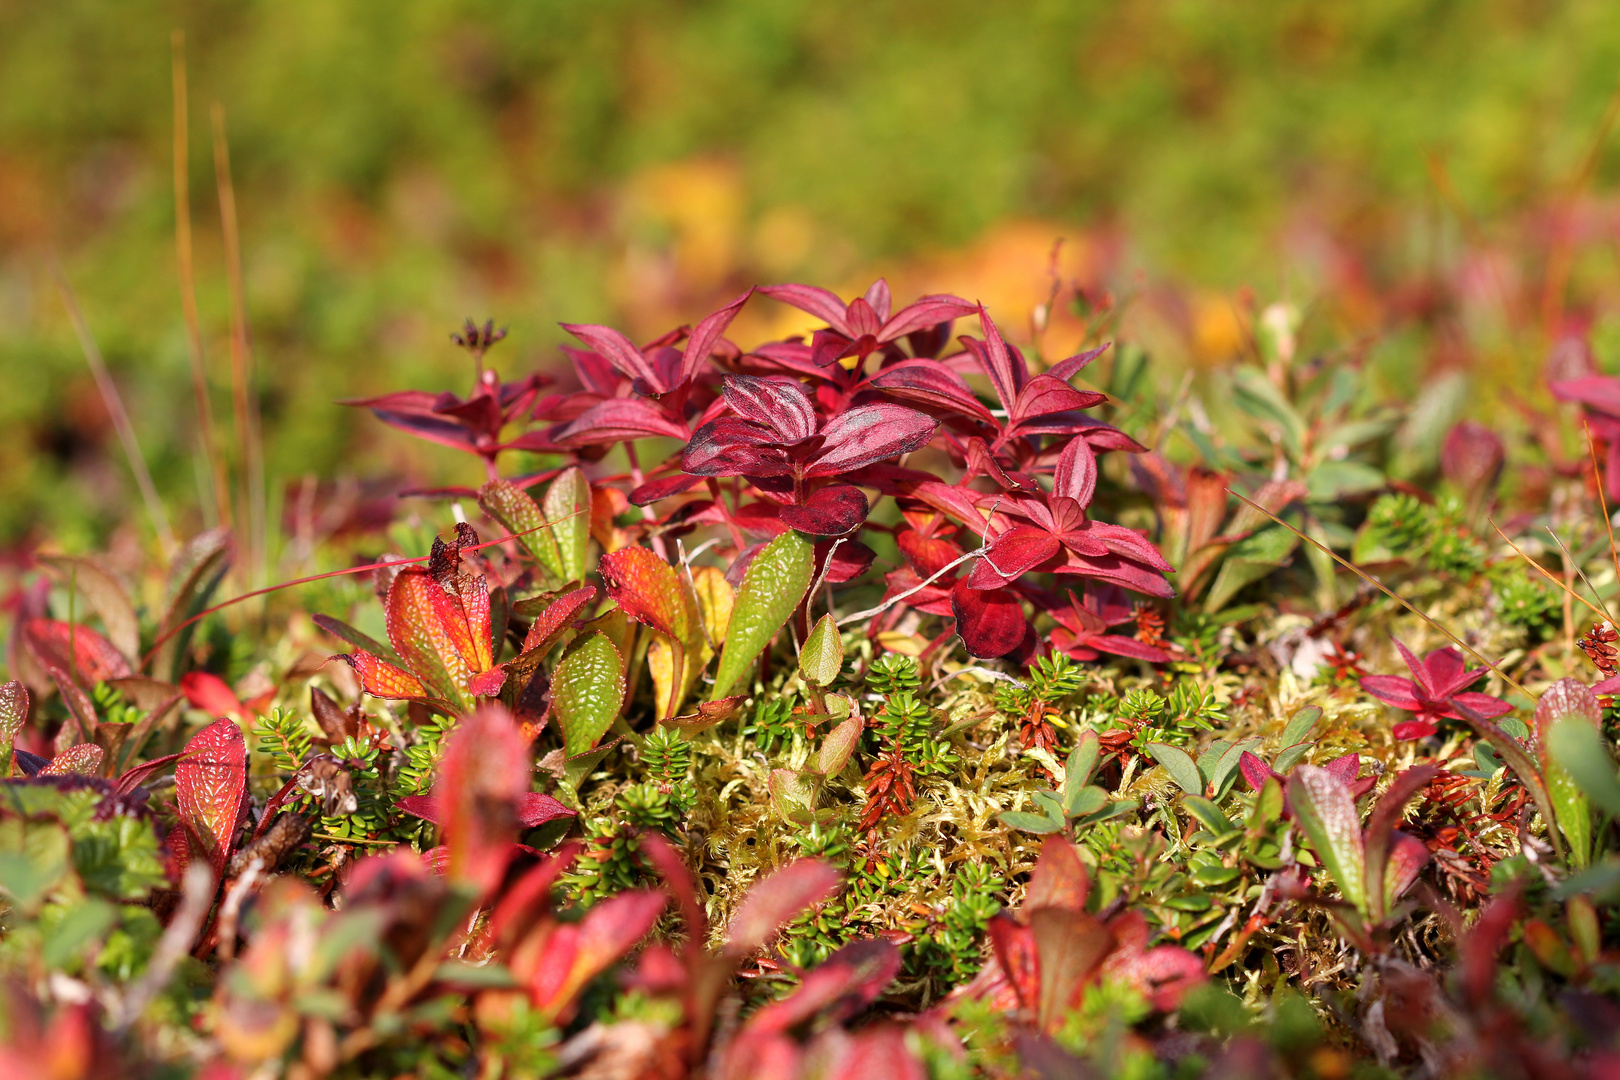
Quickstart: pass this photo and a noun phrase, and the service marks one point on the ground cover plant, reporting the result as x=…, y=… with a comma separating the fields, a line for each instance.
x=887, y=698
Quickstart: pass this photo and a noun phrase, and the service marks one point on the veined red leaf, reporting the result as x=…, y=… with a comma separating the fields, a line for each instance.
x=75, y=648
x=483, y=773
x=82, y=758
x=1326, y=812
x=414, y=629
x=617, y=420
x=617, y=350
x=210, y=786
x=587, y=691
x=774, y=901
x=814, y=301
x=731, y=446
x=990, y=621
x=706, y=336
x=924, y=313
x=930, y=383
x=663, y=488
x=1012, y=554
x=773, y=585
x=1407, y=857
x=779, y=405
x=1044, y=395
x=869, y=433
x=556, y=617
x=928, y=555
x=1076, y=475
x=829, y=511
x=651, y=591
x=997, y=361
x=1066, y=369
x=381, y=679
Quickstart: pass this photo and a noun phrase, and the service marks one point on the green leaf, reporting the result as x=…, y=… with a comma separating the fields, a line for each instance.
x=1268, y=805
x=1035, y=823
x=1581, y=752
x=1223, y=771
x=1300, y=726
x=567, y=507
x=1208, y=814
x=579, y=766
x=1568, y=703
x=517, y=512
x=1085, y=801
x=823, y=653
x=1180, y=765
x=1334, y=480
x=79, y=925
x=1249, y=560
x=1290, y=757
x=1082, y=761
x=1258, y=396
x=475, y=976
x=775, y=582
x=1112, y=810
x=1049, y=802
x=1326, y=813
x=587, y=691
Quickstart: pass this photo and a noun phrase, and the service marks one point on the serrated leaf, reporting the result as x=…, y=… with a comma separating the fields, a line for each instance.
x=650, y=591
x=1300, y=725
x=1180, y=765
x=1326, y=813
x=775, y=582
x=517, y=512
x=82, y=758
x=13, y=713
x=1039, y=824
x=567, y=507
x=822, y=655
x=587, y=691
x=210, y=785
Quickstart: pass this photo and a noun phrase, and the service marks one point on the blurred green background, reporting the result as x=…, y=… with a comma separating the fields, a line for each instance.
x=401, y=165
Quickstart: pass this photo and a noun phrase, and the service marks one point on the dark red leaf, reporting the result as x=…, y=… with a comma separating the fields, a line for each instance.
x=1044, y=395
x=617, y=420
x=930, y=383
x=815, y=301
x=1012, y=554
x=707, y=335
x=1076, y=475
x=923, y=313
x=731, y=446
x=870, y=433
x=663, y=488
x=851, y=559
x=829, y=511
x=990, y=621
x=619, y=351
x=1065, y=369
x=780, y=405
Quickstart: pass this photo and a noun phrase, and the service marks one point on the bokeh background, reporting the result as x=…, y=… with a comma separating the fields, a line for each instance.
x=1429, y=180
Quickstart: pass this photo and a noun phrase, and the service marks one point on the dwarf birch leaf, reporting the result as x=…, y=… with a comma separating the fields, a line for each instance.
x=822, y=654
x=1326, y=812
x=210, y=787
x=1180, y=765
x=82, y=758
x=567, y=507
x=587, y=690
x=13, y=711
x=772, y=587
x=651, y=591
x=517, y=512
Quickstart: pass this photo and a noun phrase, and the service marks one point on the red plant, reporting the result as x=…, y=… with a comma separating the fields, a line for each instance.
x=1433, y=692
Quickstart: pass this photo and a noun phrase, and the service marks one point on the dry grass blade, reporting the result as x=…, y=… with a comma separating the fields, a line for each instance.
x=1603, y=500
x=244, y=386
x=1381, y=587
x=115, y=410
x=1548, y=574
x=188, y=286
